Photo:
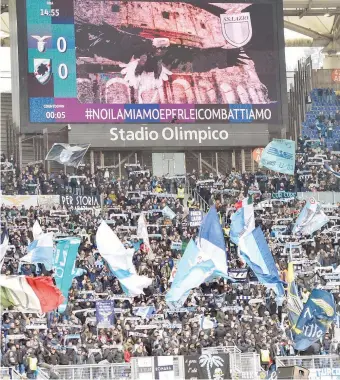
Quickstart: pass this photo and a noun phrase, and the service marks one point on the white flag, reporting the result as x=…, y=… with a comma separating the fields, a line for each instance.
x=37, y=230
x=120, y=261
x=3, y=246
x=142, y=233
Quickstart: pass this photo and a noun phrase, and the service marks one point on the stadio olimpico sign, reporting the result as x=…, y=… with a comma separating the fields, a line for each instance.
x=169, y=135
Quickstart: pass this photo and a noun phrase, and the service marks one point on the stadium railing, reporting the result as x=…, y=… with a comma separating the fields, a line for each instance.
x=242, y=366
x=309, y=362
x=9, y=373
x=204, y=206
x=332, y=197
x=94, y=371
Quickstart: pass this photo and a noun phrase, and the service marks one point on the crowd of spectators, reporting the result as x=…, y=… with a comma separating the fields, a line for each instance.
x=310, y=175
x=246, y=315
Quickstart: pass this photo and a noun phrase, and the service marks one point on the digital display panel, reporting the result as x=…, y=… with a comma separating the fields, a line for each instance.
x=102, y=61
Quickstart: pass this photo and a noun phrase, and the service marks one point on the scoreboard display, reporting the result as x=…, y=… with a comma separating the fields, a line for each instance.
x=105, y=61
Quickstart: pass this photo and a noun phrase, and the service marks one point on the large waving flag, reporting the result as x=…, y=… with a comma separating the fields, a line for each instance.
x=193, y=269
x=38, y=295
x=311, y=218
x=41, y=251
x=279, y=156
x=295, y=304
x=242, y=223
x=315, y=318
x=201, y=262
x=244, y=202
x=167, y=212
x=331, y=170
x=144, y=311
x=36, y=230
x=65, y=154
x=142, y=233
x=120, y=261
x=211, y=242
x=64, y=266
x=3, y=246
x=256, y=253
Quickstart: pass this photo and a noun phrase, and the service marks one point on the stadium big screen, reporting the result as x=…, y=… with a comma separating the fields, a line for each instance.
x=102, y=61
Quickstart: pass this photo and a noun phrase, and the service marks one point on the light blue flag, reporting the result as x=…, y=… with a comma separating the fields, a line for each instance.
x=64, y=266
x=279, y=156
x=211, y=242
x=144, y=311
x=119, y=260
x=202, y=262
x=168, y=212
x=242, y=223
x=316, y=317
x=311, y=218
x=331, y=170
x=40, y=251
x=256, y=253
x=192, y=271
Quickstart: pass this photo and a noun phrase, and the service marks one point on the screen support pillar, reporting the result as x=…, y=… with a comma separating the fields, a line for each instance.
x=92, y=161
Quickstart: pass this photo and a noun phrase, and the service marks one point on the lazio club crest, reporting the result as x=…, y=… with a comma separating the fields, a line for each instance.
x=42, y=70
x=236, y=28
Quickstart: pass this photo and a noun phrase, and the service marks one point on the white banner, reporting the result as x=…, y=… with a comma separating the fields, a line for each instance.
x=146, y=327
x=44, y=201
x=19, y=200
x=38, y=327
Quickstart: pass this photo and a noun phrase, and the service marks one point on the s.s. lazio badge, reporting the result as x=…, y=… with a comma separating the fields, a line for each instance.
x=236, y=28
x=42, y=69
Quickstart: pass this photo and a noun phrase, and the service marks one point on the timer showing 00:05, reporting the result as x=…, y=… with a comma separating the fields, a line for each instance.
x=52, y=115
x=49, y=12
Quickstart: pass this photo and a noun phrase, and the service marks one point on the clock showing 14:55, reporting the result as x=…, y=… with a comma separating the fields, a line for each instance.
x=49, y=12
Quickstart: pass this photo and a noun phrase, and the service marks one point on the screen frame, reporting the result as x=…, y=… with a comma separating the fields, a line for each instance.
x=19, y=65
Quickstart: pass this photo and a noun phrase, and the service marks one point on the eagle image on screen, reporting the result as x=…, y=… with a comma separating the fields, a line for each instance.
x=191, y=52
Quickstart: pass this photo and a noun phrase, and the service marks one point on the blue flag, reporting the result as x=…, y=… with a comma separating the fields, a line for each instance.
x=64, y=263
x=256, y=253
x=105, y=313
x=279, y=156
x=192, y=270
x=211, y=242
x=201, y=262
x=331, y=170
x=315, y=318
x=294, y=305
x=144, y=311
x=242, y=223
x=40, y=251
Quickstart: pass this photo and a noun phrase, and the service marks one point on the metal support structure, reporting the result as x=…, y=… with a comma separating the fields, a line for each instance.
x=92, y=161
x=119, y=166
x=216, y=158
x=102, y=159
x=243, y=161
x=324, y=39
x=46, y=149
x=200, y=162
x=305, y=11
x=233, y=159
x=136, y=158
x=252, y=160
x=20, y=151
